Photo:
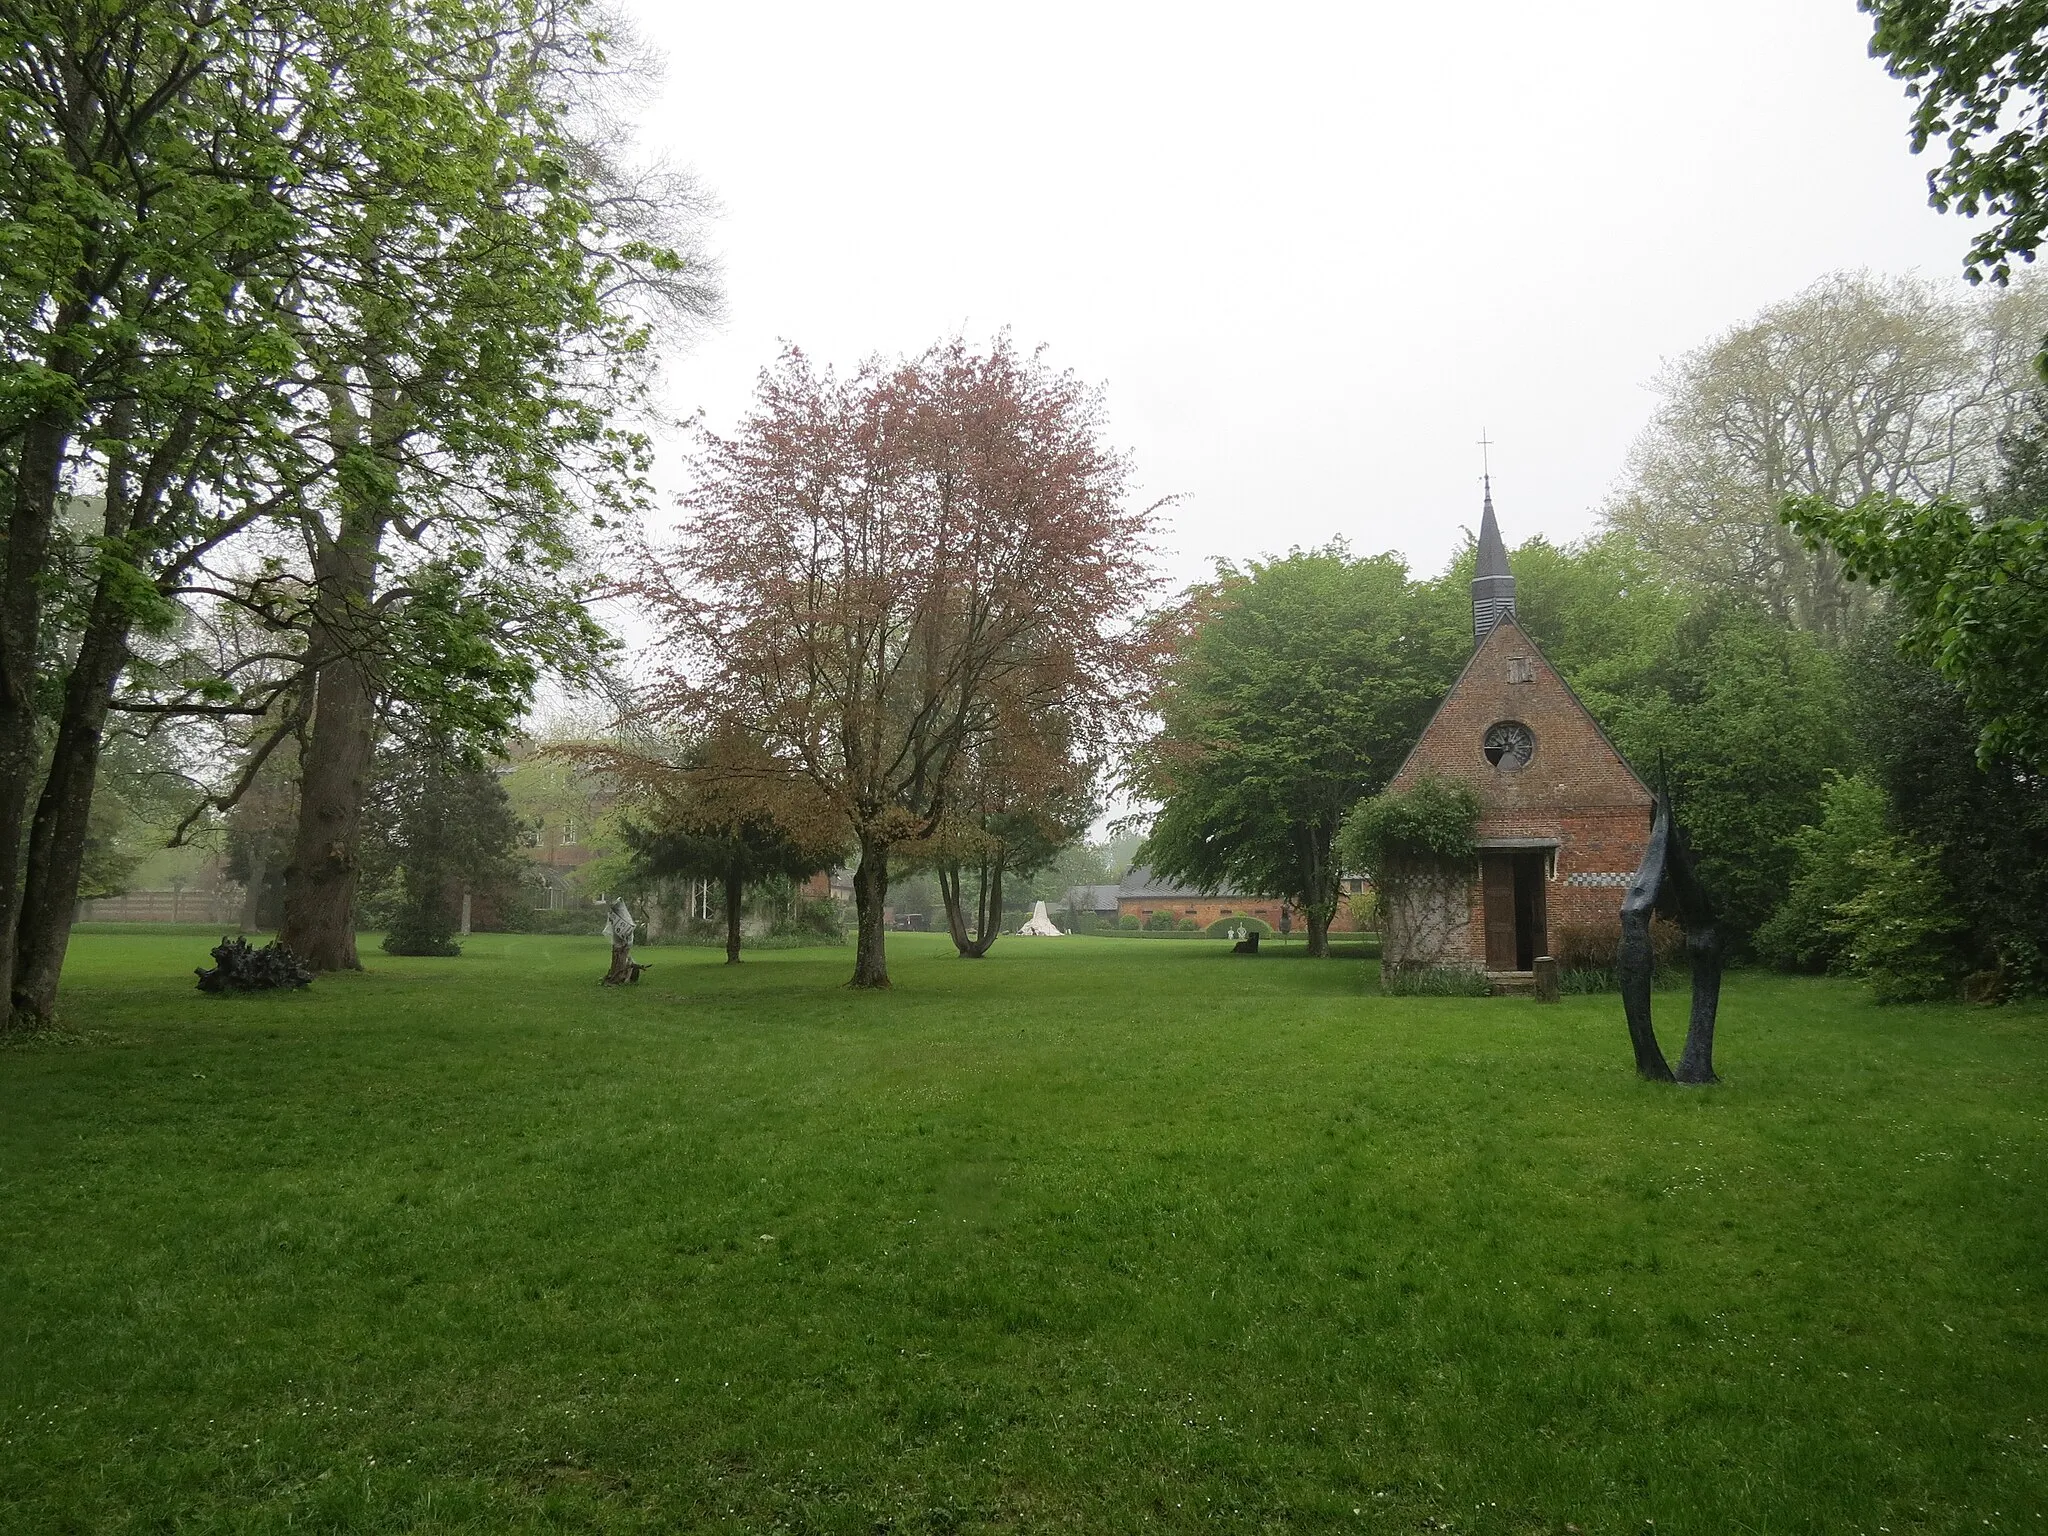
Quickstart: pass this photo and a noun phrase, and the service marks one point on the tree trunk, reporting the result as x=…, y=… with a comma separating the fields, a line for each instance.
x=1319, y=893
x=57, y=838
x=252, y=893
x=1318, y=930
x=956, y=913
x=734, y=890
x=870, y=891
x=989, y=908
x=320, y=881
x=30, y=517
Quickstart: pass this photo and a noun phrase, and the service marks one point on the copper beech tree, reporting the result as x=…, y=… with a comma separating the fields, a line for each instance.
x=873, y=570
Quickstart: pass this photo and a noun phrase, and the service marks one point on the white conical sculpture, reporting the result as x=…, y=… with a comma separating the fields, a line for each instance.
x=1040, y=926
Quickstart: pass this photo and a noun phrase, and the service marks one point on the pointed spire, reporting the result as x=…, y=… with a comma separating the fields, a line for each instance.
x=1493, y=552
x=1493, y=586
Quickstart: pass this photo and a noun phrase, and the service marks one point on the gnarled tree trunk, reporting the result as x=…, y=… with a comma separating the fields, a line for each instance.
x=734, y=890
x=870, y=892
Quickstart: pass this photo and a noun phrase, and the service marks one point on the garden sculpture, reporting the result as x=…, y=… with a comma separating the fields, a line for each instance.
x=620, y=926
x=239, y=968
x=1668, y=884
x=1040, y=925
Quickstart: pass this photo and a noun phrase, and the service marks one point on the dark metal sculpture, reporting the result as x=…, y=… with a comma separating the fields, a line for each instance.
x=1668, y=885
x=238, y=967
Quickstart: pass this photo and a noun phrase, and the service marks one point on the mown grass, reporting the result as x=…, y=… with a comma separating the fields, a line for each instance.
x=1092, y=1236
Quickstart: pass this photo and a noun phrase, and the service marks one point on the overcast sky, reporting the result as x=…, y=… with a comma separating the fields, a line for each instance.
x=1309, y=250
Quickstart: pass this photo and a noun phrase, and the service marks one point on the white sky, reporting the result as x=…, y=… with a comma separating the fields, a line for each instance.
x=1309, y=249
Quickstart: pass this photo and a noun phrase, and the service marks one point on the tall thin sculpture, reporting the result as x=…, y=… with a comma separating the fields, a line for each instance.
x=1668, y=884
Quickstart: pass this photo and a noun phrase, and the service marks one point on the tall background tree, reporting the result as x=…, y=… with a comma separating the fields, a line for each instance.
x=1859, y=386
x=1295, y=689
x=873, y=570
x=149, y=237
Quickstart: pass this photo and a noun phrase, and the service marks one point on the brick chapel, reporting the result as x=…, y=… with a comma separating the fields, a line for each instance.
x=1563, y=818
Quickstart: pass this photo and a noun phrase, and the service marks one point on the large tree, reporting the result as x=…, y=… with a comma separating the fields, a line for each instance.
x=246, y=248
x=871, y=569
x=152, y=233
x=1858, y=386
x=1297, y=687
x=465, y=348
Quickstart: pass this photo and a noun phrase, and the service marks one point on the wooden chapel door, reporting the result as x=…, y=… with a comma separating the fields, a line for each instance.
x=1497, y=894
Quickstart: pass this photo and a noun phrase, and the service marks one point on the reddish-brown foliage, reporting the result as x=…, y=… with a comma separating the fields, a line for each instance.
x=873, y=570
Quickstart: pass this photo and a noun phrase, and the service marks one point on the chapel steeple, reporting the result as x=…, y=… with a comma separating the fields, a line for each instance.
x=1493, y=586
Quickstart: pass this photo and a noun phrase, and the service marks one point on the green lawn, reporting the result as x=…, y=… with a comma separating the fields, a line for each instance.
x=1092, y=1235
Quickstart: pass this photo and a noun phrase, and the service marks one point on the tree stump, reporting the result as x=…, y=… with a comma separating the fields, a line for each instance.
x=1546, y=980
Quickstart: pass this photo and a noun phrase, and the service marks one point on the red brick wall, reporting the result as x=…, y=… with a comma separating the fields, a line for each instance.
x=1205, y=910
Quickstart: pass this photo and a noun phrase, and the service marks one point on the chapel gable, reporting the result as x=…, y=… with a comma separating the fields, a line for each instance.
x=1512, y=728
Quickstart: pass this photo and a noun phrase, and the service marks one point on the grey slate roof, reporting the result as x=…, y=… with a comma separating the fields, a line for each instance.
x=1493, y=586
x=1140, y=886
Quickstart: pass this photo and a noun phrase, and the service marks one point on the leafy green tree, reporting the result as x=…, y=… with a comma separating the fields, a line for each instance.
x=304, y=263
x=147, y=243
x=1898, y=931
x=1973, y=584
x=1747, y=720
x=1298, y=686
x=1978, y=76
x=1805, y=932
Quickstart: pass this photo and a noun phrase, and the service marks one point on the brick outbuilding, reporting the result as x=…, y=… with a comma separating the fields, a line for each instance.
x=1563, y=818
